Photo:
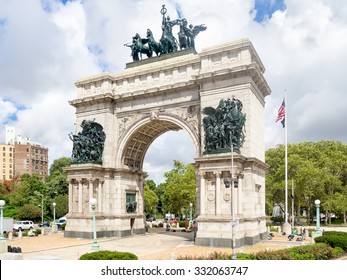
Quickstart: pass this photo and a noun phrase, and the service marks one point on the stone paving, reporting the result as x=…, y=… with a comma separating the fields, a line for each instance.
x=155, y=245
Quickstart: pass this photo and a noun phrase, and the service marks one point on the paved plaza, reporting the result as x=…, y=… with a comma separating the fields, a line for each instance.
x=157, y=244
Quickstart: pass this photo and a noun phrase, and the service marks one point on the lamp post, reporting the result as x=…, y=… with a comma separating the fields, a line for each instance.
x=318, y=231
x=95, y=245
x=41, y=205
x=191, y=215
x=231, y=184
x=191, y=212
x=2, y=204
x=54, y=204
x=54, y=226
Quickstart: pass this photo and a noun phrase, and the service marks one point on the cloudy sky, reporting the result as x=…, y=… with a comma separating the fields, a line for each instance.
x=46, y=45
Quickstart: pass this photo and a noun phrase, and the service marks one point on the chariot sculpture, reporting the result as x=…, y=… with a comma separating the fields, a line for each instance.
x=168, y=42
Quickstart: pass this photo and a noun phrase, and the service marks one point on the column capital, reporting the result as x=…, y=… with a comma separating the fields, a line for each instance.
x=218, y=173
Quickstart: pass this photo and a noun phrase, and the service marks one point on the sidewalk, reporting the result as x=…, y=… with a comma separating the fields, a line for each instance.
x=152, y=246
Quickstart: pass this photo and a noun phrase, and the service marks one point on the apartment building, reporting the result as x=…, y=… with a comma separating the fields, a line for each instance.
x=7, y=161
x=32, y=159
x=21, y=155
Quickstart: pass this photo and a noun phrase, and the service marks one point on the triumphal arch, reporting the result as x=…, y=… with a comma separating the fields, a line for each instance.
x=217, y=96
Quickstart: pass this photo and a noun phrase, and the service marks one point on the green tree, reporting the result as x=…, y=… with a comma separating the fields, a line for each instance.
x=319, y=170
x=62, y=205
x=150, y=184
x=59, y=164
x=56, y=182
x=151, y=201
x=179, y=188
x=29, y=212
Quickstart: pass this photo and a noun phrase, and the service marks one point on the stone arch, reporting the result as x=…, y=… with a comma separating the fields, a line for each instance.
x=175, y=92
x=135, y=142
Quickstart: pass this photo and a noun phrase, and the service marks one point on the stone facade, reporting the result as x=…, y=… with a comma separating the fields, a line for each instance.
x=151, y=97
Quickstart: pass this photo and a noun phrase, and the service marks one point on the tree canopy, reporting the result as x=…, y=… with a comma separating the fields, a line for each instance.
x=318, y=171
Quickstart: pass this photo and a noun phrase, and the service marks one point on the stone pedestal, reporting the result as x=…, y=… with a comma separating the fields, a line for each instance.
x=217, y=201
x=110, y=188
x=3, y=246
x=11, y=256
x=54, y=229
x=287, y=228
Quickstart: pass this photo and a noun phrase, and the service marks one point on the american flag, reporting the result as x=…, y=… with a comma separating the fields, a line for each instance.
x=281, y=113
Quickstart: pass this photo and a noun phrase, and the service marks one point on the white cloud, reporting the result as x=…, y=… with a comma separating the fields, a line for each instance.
x=43, y=52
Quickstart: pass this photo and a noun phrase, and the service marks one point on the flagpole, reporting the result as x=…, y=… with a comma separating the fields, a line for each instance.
x=286, y=157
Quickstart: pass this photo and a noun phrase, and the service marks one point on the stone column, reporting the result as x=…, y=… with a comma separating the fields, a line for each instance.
x=90, y=188
x=120, y=195
x=140, y=202
x=239, y=197
x=80, y=196
x=218, y=192
x=202, y=194
x=99, y=206
x=106, y=194
x=70, y=196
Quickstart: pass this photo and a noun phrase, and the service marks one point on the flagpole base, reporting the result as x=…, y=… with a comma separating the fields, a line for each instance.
x=287, y=228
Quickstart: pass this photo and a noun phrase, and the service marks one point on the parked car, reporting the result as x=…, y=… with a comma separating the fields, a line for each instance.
x=61, y=222
x=151, y=219
x=23, y=225
x=45, y=224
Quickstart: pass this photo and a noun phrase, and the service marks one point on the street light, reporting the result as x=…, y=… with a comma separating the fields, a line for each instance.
x=318, y=231
x=54, y=204
x=95, y=245
x=54, y=226
x=41, y=205
x=191, y=211
x=2, y=204
x=227, y=184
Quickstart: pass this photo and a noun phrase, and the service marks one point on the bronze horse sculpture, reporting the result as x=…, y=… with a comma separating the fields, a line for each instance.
x=138, y=47
x=153, y=45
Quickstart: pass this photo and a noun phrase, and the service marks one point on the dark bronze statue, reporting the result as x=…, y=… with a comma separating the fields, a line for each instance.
x=131, y=204
x=224, y=126
x=138, y=47
x=187, y=34
x=88, y=145
x=167, y=43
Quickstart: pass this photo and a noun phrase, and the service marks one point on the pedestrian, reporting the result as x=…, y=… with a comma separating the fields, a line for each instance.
x=303, y=231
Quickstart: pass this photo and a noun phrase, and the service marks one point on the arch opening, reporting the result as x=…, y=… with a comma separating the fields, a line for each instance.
x=142, y=138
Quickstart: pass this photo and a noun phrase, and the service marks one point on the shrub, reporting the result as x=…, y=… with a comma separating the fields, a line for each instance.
x=278, y=220
x=212, y=256
x=108, y=255
x=37, y=231
x=308, y=252
x=319, y=239
x=338, y=252
x=335, y=239
x=182, y=223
